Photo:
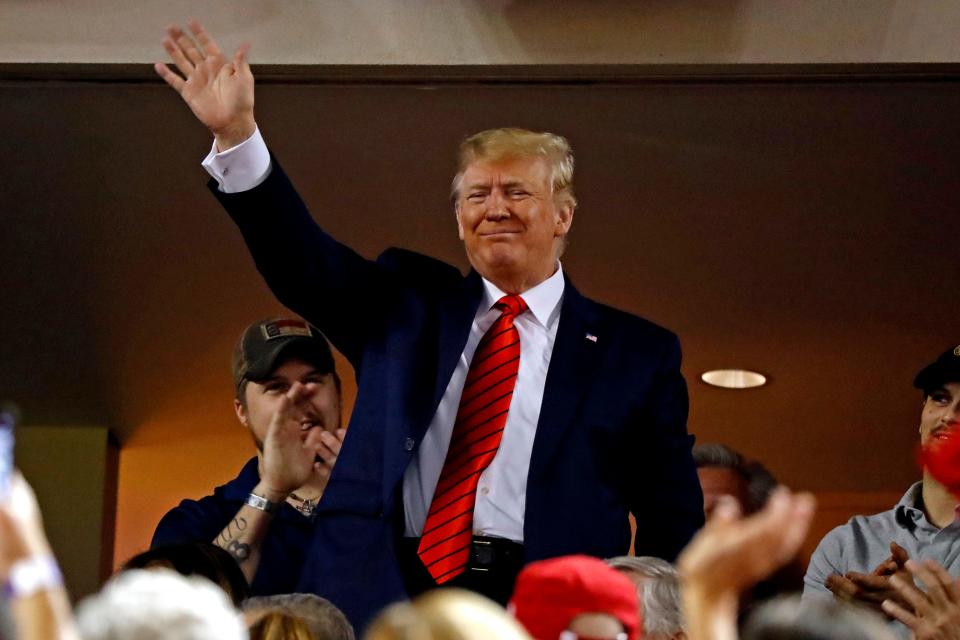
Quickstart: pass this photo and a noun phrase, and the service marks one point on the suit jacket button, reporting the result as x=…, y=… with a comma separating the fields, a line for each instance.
x=409, y=444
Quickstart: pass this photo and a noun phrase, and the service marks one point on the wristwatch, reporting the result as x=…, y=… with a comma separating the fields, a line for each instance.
x=259, y=502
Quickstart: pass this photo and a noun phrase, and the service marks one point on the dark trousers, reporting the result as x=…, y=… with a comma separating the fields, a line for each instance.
x=492, y=569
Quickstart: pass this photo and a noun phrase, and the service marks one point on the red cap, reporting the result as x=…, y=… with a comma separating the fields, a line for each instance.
x=551, y=593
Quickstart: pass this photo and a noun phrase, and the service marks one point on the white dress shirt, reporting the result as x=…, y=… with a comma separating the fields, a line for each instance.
x=502, y=489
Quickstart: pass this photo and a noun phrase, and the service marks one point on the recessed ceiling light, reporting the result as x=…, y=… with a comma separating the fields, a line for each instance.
x=734, y=378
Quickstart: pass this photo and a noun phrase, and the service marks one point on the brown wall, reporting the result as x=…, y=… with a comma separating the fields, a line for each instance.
x=72, y=470
x=794, y=224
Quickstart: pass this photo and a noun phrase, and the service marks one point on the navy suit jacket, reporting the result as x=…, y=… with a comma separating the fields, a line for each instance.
x=611, y=438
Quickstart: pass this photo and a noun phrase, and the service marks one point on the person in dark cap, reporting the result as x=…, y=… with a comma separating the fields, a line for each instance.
x=288, y=397
x=855, y=561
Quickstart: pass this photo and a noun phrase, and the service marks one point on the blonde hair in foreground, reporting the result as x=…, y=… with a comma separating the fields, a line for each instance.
x=448, y=614
x=494, y=145
x=280, y=625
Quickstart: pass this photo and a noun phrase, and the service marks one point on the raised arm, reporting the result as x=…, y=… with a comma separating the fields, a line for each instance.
x=217, y=90
x=38, y=600
x=325, y=282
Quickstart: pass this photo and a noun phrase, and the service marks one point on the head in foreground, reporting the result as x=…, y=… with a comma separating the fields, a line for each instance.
x=576, y=596
x=323, y=619
x=658, y=589
x=787, y=618
x=445, y=614
x=159, y=604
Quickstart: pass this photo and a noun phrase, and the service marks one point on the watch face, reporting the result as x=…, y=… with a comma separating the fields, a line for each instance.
x=261, y=503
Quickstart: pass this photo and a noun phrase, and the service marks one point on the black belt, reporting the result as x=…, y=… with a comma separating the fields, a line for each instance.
x=493, y=554
x=491, y=569
x=486, y=553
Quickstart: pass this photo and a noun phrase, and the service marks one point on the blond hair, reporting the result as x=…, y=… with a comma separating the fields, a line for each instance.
x=448, y=614
x=323, y=618
x=494, y=145
x=281, y=625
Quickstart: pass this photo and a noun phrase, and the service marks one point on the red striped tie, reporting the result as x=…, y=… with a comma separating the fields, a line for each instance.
x=445, y=543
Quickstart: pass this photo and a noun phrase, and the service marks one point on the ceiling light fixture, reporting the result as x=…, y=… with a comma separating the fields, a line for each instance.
x=734, y=378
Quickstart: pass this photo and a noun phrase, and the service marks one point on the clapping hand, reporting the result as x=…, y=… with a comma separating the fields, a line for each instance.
x=328, y=451
x=934, y=614
x=872, y=589
x=730, y=554
x=290, y=455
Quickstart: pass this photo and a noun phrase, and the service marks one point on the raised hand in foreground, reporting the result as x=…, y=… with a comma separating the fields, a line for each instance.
x=217, y=90
x=41, y=609
x=732, y=553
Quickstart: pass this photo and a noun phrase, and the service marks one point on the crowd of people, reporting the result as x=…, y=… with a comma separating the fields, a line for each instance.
x=505, y=428
x=198, y=590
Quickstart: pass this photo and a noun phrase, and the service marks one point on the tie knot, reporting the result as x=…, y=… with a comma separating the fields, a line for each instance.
x=511, y=305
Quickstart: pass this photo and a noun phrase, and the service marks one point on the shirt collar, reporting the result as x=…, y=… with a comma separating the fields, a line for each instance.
x=542, y=300
x=909, y=509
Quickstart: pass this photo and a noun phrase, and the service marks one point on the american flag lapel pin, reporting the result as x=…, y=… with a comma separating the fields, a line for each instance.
x=590, y=337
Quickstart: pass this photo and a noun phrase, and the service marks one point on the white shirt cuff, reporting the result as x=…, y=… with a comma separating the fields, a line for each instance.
x=239, y=168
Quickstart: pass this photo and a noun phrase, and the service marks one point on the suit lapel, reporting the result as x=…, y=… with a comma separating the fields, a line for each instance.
x=454, y=321
x=575, y=352
x=445, y=339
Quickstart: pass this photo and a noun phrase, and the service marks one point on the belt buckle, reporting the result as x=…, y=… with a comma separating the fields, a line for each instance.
x=482, y=555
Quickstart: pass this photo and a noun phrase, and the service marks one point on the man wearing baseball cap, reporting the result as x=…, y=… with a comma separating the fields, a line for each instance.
x=855, y=561
x=573, y=597
x=288, y=397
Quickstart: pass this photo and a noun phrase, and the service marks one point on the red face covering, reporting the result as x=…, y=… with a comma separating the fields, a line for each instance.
x=941, y=457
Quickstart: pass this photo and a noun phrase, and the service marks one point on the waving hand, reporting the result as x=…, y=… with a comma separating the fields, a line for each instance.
x=217, y=90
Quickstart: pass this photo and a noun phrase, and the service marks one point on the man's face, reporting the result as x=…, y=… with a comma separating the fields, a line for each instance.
x=721, y=481
x=510, y=223
x=322, y=409
x=941, y=412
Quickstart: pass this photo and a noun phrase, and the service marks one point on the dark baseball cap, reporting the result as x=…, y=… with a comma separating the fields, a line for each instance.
x=265, y=344
x=944, y=369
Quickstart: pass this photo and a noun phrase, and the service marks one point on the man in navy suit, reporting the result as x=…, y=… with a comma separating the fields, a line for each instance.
x=593, y=419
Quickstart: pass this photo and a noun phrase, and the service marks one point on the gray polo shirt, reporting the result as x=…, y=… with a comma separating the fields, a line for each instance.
x=864, y=542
